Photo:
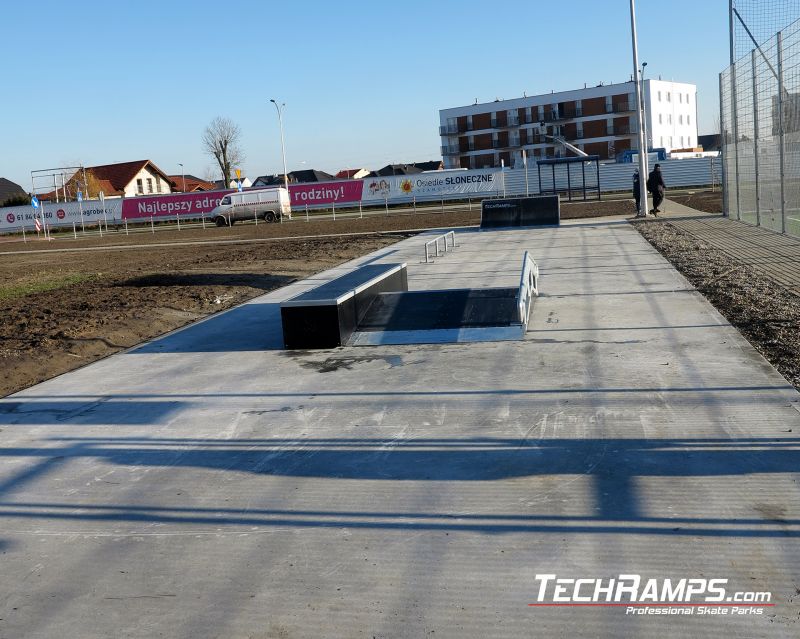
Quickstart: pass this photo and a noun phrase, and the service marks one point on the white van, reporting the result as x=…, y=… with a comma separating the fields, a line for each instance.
x=268, y=204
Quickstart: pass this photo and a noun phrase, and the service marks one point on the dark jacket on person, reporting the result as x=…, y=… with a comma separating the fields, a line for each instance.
x=655, y=181
x=636, y=185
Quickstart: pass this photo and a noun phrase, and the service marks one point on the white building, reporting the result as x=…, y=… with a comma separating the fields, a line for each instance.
x=671, y=110
x=598, y=120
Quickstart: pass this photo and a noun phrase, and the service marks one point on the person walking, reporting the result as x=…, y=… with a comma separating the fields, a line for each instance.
x=656, y=186
x=637, y=194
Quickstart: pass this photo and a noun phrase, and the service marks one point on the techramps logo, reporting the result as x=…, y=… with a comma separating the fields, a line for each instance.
x=640, y=596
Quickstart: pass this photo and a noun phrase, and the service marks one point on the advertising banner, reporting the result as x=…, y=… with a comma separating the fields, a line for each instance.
x=60, y=214
x=185, y=204
x=325, y=193
x=433, y=184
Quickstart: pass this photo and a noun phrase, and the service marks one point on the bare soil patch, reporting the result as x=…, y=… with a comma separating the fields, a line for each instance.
x=767, y=314
x=707, y=201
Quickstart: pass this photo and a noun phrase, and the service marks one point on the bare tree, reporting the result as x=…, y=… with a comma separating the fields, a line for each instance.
x=221, y=140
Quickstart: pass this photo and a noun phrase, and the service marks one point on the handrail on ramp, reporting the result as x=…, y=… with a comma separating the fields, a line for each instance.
x=528, y=287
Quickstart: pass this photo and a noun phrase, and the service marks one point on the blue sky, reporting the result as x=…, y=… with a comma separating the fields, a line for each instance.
x=99, y=82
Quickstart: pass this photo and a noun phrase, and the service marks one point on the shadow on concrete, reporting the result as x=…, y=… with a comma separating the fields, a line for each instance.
x=253, y=326
x=612, y=466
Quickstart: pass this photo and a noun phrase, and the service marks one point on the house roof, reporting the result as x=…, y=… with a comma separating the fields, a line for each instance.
x=349, y=173
x=432, y=165
x=118, y=176
x=398, y=169
x=193, y=183
x=309, y=175
x=9, y=189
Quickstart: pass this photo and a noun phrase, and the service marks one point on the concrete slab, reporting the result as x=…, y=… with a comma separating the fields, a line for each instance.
x=209, y=484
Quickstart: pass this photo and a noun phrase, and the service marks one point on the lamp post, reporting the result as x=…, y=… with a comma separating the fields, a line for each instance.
x=279, y=109
x=644, y=122
x=183, y=176
x=642, y=166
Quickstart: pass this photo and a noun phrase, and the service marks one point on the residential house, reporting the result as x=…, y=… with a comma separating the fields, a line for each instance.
x=352, y=174
x=190, y=184
x=234, y=183
x=397, y=169
x=433, y=165
x=9, y=189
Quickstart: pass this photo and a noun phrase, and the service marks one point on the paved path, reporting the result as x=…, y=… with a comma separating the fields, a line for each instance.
x=774, y=255
x=210, y=484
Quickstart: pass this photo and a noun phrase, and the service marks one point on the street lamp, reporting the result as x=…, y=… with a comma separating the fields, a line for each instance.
x=183, y=175
x=279, y=109
x=642, y=166
x=644, y=121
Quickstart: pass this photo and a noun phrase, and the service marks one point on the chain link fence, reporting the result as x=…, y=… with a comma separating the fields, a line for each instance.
x=760, y=126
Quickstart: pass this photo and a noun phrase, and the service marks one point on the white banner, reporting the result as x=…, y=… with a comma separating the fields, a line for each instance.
x=12, y=218
x=433, y=184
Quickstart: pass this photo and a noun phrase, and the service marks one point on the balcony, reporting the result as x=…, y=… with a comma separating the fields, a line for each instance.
x=450, y=129
x=624, y=129
x=620, y=107
x=496, y=124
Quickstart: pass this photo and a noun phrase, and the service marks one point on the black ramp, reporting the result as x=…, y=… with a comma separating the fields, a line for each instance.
x=432, y=310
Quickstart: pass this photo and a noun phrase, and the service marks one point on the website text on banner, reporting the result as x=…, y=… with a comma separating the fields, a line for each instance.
x=433, y=184
x=13, y=218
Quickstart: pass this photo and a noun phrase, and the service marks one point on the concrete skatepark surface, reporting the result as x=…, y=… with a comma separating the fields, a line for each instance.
x=210, y=484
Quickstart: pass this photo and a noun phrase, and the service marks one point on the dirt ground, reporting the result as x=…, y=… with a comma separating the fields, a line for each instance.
x=767, y=314
x=707, y=201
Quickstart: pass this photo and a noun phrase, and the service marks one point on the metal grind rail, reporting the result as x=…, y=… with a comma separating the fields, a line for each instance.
x=528, y=287
x=435, y=243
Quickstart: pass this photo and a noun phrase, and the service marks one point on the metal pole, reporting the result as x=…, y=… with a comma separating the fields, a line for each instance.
x=780, y=132
x=723, y=152
x=126, y=227
x=755, y=133
x=525, y=162
x=279, y=109
x=360, y=209
x=730, y=30
x=178, y=217
x=306, y=212
x=386, y=204
x=183, y=176
x=642, y=165
x=735, y=123
x=74, y=231
x=152, y=226
x=24, y=239
x=85, y=184
x=333, y=208
x=83, y=225
x=55, y=187
x=644, y=123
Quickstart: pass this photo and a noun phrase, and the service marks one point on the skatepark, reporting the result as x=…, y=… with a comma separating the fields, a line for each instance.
x=214, y=483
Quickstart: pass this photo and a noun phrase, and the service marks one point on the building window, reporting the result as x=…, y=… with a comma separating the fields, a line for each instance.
x=661, y=143
x=689, y=141
x=139, y=186
x=680, y=98
x=660, y=118
x=659, y=96
x=680, y=119
x=681, y=141
x=669, y=118
x=149, y=185
x=670, y=141
x=669, y=97
x=687, y=98
x=158, y=184
x=688, y=119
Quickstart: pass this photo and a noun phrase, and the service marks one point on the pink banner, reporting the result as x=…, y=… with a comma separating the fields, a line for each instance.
x=187, y=204
x=325, y=193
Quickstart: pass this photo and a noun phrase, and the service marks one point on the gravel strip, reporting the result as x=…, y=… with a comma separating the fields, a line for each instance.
x=767, y=314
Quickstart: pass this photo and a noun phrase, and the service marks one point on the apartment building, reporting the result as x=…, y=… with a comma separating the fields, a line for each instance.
x=598, y=120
